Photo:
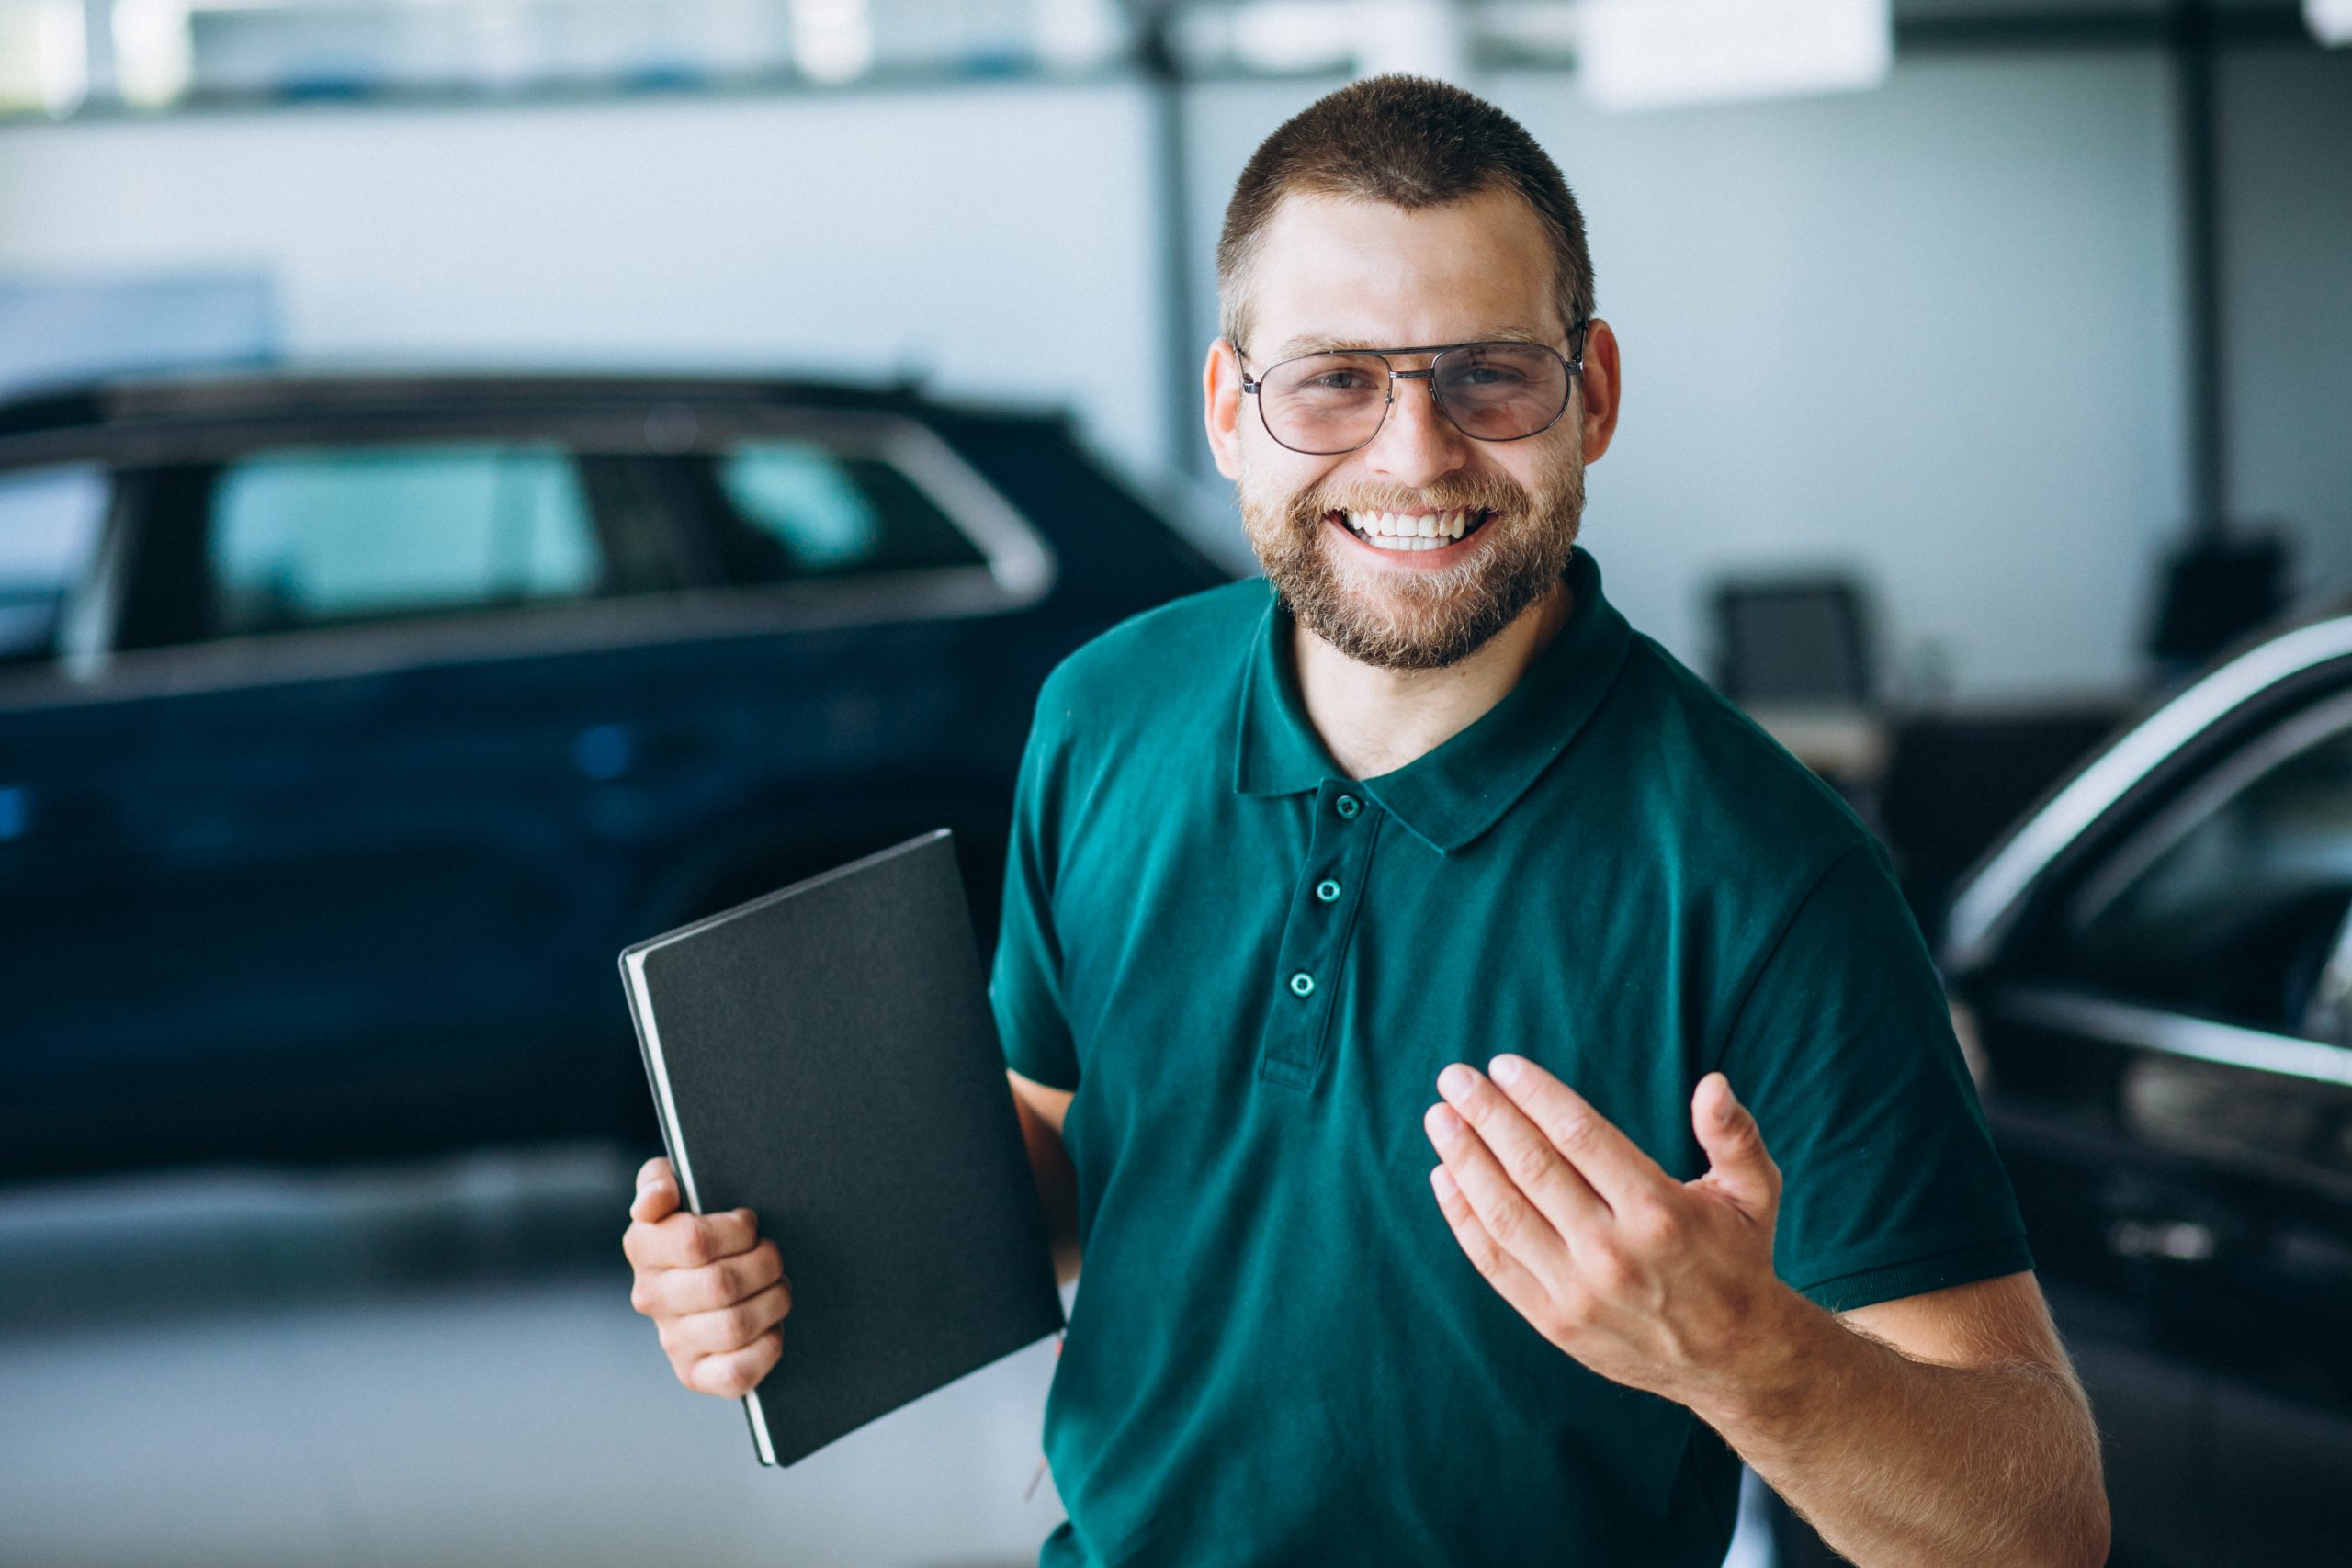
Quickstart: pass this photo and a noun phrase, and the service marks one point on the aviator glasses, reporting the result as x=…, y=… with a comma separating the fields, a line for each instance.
x=1324, y=404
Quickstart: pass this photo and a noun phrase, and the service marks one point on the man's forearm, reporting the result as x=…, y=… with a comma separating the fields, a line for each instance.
x=1899, y=1462
x=1057, y=1186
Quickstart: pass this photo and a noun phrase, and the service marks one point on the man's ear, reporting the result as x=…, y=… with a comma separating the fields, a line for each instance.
x=1601, y=389
x=1221, y=406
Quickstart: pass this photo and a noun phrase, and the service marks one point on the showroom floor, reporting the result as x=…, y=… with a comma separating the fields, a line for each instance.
x=425, y=1365
x=430, y=1365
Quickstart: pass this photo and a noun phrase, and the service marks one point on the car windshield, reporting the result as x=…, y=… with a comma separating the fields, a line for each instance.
x=2230, y=904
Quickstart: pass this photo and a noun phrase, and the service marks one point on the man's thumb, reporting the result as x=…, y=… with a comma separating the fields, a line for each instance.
x=1738, y=1164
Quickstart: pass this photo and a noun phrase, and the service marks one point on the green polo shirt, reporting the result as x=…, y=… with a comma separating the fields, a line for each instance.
x=1250, y=968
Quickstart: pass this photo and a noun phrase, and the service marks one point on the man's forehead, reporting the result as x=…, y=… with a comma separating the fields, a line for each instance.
x=1340, y=272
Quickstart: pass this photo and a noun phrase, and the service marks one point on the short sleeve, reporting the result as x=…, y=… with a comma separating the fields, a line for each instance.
x=1843, y=1048
x=1025, y=986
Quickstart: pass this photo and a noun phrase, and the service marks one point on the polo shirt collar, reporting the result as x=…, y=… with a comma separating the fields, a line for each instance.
x=1454, y=794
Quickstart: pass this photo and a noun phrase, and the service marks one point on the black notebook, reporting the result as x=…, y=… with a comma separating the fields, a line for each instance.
x=825, y=1056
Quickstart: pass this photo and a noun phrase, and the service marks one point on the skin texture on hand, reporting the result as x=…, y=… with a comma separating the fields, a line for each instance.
x=1651, y=1282
x=1941, y=1429
x=714, y=1291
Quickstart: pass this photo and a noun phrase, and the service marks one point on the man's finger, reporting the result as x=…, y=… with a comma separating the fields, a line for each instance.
x=734, y=1373
x=657, y=1192
x=728, y=1327
x=1738, y=1166
x=1516, y=1224
x=1526, y=1156
x=1611, y=1163
x=1505, y=1273
x=676, y=1292
x=689, y=1241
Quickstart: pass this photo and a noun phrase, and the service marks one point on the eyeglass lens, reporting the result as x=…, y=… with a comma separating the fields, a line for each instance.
x=1335, y=402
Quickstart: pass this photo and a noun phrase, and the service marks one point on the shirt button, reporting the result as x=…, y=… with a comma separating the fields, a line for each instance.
x=1302, y=984
x=1347, y=805
x=1326, y=890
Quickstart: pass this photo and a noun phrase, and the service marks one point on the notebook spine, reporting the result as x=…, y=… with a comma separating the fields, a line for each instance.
x=657, y=1077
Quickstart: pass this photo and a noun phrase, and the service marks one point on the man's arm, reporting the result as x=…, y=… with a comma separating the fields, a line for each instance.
x=1943, y=1429
x=1042, y=1110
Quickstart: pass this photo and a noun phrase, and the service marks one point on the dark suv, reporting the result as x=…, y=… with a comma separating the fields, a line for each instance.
x=348, y=726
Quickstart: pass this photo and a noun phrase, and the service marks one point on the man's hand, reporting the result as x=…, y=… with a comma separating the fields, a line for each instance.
x=1652, y=1282
x=713, y=1287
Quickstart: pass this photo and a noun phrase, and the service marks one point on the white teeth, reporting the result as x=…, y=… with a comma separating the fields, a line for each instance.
x=1397, y=531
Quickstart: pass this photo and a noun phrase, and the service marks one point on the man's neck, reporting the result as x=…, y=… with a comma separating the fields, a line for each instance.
x=1374, y=721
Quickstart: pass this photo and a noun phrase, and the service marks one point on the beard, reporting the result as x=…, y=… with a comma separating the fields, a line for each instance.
x=1417, y=620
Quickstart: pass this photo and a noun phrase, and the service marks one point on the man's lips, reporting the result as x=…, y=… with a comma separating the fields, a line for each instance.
x=1395, y=538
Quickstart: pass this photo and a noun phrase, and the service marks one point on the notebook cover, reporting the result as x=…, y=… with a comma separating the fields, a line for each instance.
x=825, y=1056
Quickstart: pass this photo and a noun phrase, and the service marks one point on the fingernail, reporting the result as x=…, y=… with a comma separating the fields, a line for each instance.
x=1443, y=1180
x=1444, y=1123
x=1455, y=1082
x=1505, y=1069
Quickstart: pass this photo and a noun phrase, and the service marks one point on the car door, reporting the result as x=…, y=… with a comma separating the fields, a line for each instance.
x=869, y=665
x=363, y=875
x=2171, y=1081
x=66, y=868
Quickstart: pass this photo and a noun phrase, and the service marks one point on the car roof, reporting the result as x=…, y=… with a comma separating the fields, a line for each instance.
x=197, y=398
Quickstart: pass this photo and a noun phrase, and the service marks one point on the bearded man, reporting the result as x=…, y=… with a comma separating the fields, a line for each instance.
x=1284, y=863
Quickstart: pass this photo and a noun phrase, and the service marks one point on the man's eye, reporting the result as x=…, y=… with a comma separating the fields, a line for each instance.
x=1490, y=375
x=1339, y=381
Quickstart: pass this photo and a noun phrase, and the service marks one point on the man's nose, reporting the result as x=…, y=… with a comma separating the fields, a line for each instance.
x=1418, y=445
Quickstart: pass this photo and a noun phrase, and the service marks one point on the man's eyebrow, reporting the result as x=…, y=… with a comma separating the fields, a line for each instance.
x=1320, y=344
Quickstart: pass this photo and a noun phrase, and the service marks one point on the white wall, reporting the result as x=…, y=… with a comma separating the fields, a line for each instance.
x=996, y=237
x=1930, y=332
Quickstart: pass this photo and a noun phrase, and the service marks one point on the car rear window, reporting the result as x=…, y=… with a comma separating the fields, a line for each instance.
x=327, y=536
x=814, y=512
x=48, y=532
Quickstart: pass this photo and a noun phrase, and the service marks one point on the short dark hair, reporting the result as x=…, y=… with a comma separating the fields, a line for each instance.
x=1411, y=143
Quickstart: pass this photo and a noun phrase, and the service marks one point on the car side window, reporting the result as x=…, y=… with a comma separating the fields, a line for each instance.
x=2231, y=905
x=798, y=509
x=50, y=520
x=326, y=536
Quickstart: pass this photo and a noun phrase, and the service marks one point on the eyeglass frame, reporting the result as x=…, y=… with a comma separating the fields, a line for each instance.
x=1575, y=365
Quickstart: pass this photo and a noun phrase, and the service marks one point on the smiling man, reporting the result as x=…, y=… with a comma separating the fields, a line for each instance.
x=1704, y=1176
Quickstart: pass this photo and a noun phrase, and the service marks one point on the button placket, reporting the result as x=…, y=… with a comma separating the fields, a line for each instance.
x=1316, y=936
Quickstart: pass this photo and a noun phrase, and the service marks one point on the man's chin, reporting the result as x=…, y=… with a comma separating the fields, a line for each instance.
x=1388, y=627
x=1403, y=619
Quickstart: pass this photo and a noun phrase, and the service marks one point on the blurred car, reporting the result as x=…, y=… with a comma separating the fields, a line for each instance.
x=2156, y=965
x=350, y=726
